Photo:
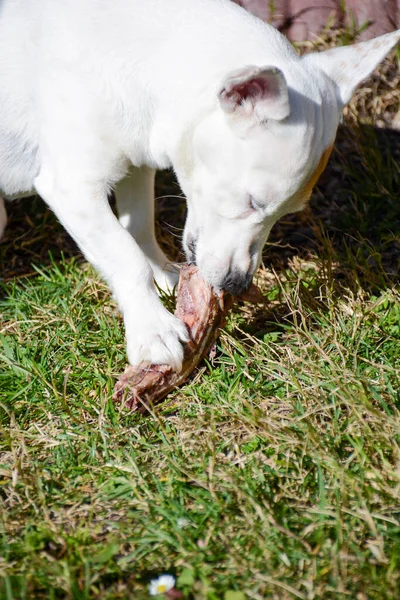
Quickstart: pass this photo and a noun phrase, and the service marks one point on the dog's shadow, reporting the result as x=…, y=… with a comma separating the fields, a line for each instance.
x=352, y=225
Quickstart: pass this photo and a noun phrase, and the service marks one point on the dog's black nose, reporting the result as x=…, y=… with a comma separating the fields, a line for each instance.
x=236, y=282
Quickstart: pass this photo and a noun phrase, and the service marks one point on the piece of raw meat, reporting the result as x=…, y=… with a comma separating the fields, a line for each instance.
x=204, y=311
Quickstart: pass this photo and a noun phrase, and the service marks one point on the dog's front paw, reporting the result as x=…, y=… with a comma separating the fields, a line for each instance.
x=155, y=337
x=165, y=272
x=166, y=279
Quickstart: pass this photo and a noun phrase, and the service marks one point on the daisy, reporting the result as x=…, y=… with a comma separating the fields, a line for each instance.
x=161, y=585
x=182, y=523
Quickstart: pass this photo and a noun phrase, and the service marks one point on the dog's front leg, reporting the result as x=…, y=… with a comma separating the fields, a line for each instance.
x=135, y=203
x=153, y=334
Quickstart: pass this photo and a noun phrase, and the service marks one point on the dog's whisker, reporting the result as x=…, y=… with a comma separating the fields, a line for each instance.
x=170, y=196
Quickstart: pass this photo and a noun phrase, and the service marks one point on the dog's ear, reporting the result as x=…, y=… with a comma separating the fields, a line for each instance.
x=257, y=93
x=349, y=65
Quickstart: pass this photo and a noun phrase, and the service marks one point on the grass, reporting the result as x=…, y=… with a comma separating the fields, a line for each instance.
x=274, y=473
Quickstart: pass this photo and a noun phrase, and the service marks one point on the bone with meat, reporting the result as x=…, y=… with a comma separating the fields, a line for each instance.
x=203, y=310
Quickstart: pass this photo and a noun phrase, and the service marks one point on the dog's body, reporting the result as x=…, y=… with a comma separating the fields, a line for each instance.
x=96, y=94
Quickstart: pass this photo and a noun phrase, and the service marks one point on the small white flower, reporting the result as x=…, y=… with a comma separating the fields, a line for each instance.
x=161, y=585
x=182, y=522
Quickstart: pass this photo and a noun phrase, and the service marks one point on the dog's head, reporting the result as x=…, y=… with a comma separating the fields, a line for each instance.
x=257, y=154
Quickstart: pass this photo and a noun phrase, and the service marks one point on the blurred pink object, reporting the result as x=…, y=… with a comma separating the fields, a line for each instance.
x=301, y=19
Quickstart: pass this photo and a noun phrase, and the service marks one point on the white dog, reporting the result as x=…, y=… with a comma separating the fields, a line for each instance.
x=99, y=93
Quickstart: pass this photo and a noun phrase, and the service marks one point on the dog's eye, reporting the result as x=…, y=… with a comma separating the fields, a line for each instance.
x=254, y=204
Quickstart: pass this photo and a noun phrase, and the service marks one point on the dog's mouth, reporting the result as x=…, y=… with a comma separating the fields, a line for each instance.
x=190, y=249
x=227, y=277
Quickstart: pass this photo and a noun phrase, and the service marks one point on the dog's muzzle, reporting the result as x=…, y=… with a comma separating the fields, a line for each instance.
x=190, y=249
x=236, y=282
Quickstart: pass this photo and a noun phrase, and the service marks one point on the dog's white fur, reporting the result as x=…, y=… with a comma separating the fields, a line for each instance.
x=100, y=93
